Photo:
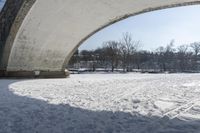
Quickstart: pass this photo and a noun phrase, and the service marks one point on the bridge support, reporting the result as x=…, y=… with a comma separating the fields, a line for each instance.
x=38, y=37
x=34, y=74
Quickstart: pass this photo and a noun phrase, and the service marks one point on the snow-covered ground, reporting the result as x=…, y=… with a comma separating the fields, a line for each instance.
x=102, y=103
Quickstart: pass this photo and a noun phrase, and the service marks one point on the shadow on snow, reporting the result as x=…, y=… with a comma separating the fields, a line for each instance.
x=21, y=114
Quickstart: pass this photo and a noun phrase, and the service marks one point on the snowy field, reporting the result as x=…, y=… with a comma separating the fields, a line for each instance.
x=97, y=103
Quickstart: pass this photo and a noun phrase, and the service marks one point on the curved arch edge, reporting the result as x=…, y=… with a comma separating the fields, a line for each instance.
x=67, y=59
x=21, y=10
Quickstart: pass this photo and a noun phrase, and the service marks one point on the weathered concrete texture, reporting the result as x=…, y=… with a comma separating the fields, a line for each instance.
x=11, y=18
x=7, y=17
x=53, y=29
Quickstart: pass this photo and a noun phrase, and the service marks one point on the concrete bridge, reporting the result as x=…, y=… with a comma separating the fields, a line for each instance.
x=38, y=37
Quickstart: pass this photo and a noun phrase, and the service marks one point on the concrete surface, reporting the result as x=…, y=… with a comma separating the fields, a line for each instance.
x=53, y=29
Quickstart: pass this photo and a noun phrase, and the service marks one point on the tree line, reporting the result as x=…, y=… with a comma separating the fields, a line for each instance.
x=127, y=55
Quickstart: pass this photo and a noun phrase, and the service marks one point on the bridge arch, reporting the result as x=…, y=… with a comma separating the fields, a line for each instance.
x=44, y=33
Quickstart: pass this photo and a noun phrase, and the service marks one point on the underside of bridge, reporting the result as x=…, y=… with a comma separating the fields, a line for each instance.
x=38, y=37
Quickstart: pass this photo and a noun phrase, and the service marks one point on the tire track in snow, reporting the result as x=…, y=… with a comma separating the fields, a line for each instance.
x=183, y=108
x=172, y=114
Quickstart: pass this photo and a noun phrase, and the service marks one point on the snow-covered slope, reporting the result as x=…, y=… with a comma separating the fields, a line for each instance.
x=102, y=103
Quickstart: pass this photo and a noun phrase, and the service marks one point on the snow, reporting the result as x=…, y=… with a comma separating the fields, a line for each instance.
x=164, y=105
x=102, y=103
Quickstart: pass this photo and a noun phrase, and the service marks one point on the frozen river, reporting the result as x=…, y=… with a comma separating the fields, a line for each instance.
x=102, y=103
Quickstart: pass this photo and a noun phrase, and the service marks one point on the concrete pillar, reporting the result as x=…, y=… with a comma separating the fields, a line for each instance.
x=38, y=37
x=34, y=74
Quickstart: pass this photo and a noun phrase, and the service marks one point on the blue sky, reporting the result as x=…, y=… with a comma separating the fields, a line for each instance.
x=154, y=29
x=2, y=3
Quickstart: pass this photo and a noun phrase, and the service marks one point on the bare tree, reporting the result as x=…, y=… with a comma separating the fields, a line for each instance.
x=169, y=55
x=125, y=54
x=182, y=49
x=112, y=53
x=127, y=48
x=182, y=57
x=196, y=47
x=160, y=51
x=165, y=56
